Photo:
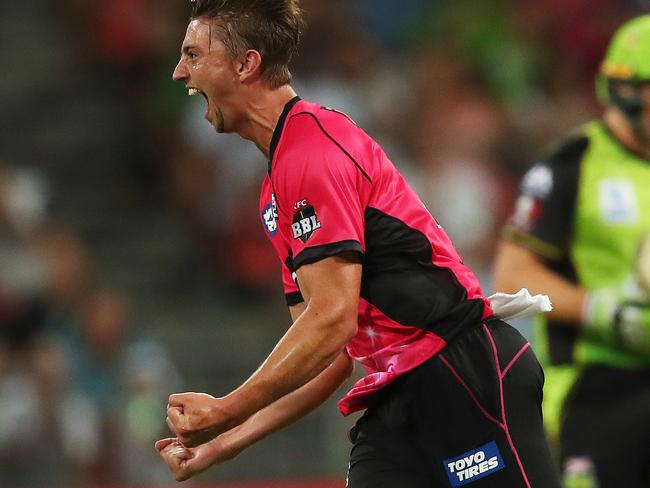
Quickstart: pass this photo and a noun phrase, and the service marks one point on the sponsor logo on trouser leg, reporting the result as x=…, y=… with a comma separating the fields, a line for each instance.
x=474, y=465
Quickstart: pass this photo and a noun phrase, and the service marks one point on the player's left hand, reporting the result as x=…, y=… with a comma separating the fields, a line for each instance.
x=625, y=310
x=195, y=418
x=185, y=462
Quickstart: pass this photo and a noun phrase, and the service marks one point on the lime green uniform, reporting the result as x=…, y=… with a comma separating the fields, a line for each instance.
x=585, y=210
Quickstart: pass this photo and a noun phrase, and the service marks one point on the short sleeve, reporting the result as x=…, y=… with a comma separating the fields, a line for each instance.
x=291, y=291
x=542, y=220
x=319, y=191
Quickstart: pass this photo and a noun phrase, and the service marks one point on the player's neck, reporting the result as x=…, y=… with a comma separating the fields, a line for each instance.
x=263, y=114
x=619, y=126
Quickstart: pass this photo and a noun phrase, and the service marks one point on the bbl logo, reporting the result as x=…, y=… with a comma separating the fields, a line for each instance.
x=305, y=222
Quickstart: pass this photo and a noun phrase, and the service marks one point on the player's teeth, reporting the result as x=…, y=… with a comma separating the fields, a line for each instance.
x=192, y=91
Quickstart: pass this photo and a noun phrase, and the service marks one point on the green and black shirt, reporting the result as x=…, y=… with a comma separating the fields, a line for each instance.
x=584, y=210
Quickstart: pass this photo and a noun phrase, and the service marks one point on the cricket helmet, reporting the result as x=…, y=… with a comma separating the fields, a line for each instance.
x=626, y=65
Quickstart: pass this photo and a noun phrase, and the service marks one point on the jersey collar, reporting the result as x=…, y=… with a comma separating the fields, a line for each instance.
x=278, y=128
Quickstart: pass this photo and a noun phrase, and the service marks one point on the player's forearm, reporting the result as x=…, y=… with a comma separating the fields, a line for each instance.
x=516, y=267
x=289, y=408
x=307, y=349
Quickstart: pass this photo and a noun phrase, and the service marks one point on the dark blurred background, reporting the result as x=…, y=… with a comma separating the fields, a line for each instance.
x=132, y=260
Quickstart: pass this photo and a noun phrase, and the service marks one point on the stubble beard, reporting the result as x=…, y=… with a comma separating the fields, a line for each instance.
x=219, y=124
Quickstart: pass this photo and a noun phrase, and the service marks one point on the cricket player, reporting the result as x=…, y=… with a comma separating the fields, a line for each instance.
x=580, y=233
x=452, y=395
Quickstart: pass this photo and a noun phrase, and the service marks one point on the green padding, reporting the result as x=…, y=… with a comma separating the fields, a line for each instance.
x=580, y=480
x=559, y=381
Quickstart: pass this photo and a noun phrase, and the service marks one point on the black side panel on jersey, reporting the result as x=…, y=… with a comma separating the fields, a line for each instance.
x=550, y=188
x=400, y=279
x=553, y=226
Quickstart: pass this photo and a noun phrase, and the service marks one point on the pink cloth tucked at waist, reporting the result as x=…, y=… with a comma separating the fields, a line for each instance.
x=387, y=350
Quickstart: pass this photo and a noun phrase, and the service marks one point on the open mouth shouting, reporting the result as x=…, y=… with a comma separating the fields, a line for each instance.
x=191, y=91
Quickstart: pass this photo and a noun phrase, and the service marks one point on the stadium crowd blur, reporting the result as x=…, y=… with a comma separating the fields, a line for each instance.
x=130, y=241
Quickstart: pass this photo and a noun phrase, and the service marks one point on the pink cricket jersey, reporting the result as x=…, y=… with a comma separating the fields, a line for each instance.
x=331, y=189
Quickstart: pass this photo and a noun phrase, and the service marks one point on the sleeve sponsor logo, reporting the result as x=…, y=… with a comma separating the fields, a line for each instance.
x=270, y=217
x=538, y=182
x=474, y=465
x=527, y=211
x=305, y=223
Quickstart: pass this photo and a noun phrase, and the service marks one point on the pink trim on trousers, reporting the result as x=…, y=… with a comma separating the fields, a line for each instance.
x=503, y=424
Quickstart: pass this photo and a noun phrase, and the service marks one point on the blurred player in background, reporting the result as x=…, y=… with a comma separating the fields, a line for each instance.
x=580, y=233
x=452, y=395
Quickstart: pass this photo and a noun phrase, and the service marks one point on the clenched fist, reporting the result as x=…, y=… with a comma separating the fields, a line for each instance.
x=195, y=418
x=185, y=462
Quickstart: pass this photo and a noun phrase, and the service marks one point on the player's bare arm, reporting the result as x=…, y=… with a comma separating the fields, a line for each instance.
x=185, y=462
x=331, y=290
x=568, y=298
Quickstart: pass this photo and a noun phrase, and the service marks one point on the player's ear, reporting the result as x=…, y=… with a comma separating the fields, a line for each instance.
x=249, y=66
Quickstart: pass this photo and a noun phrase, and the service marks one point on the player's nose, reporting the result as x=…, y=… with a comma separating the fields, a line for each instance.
x=180, y=72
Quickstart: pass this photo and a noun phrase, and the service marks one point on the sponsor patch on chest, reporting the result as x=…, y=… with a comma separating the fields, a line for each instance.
x=474, y=465
x=618, y=201
x=305, y=223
